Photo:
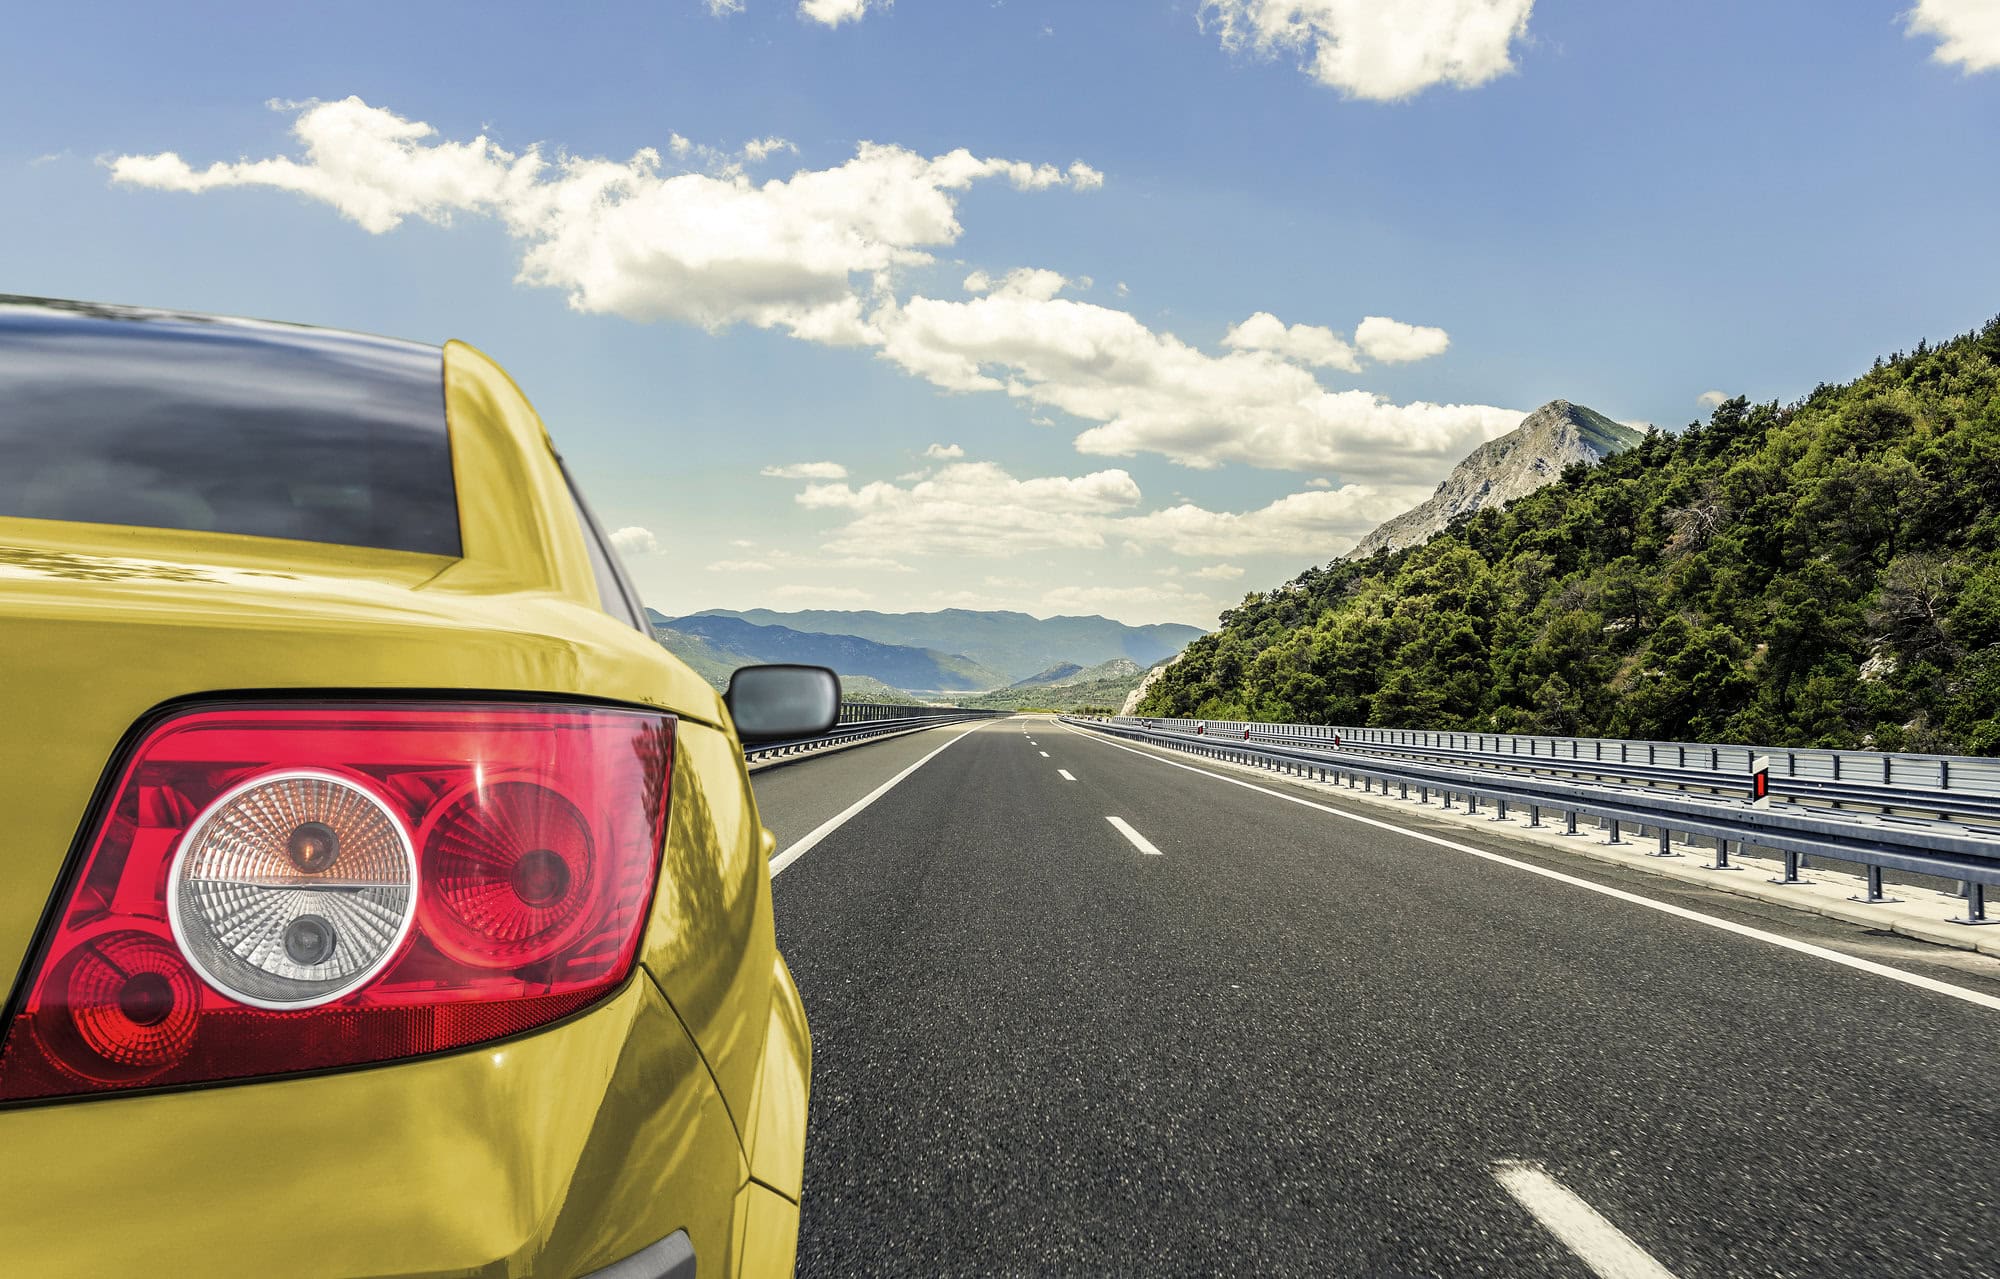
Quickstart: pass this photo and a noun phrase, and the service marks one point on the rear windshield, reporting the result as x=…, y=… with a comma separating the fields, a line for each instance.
x=121, y=416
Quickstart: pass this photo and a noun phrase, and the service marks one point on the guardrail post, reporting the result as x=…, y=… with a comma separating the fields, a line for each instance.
x=1534, y=812
x=1569, y=822
x=1975, y=906
x=1792, y=861
x=1611, y=826
x=1403, y=791
x=1446, y=792
x=1875, y=897
x=1665, y=849
x=1471, y=804
x=1721, y=861
x=1499, y=810
x=1423, y=793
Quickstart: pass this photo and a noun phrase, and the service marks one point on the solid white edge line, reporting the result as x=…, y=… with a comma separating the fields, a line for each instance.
x=1066, y=774
x=1139, y=841
x=832, y=824
x=1607, y=1250
x=1918, y=980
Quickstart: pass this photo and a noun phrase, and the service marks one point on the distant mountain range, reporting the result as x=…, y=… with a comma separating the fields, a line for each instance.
x=1498, y=471
x=1067, y=687
x=1015, y=645
x=1020, y=660
x=897, y=665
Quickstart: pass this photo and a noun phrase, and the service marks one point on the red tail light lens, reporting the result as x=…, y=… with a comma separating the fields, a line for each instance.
x=283, y=889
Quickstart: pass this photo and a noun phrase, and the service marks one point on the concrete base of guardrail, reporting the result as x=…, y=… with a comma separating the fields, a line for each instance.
x=821, y=752
x=1922, y=914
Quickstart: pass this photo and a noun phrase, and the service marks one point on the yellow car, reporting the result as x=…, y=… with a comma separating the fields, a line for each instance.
x=376, y=896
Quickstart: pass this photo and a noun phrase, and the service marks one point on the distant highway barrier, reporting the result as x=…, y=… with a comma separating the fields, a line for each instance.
x=1904, y=832
x=1941, y=787
x=862, y=720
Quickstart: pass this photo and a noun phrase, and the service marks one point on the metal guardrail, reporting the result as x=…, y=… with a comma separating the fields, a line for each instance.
x=860, y=720
x=1876, y=843
x=1934, y=786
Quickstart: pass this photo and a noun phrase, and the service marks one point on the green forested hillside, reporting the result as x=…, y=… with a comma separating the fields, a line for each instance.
x=1826, y=574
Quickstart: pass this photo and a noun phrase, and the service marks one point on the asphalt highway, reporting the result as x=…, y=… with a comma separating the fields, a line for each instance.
x=1292, y=1043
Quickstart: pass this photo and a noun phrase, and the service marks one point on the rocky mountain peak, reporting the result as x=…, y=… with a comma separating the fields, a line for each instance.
x=1500, y=470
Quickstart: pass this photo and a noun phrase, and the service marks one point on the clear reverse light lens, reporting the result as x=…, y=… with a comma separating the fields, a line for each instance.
x=292, y=890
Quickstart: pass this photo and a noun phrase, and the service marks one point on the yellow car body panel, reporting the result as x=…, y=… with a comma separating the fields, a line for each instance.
x=552, y=1153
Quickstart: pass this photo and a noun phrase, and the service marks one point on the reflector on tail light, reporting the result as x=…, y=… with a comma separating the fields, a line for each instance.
x=253, y=901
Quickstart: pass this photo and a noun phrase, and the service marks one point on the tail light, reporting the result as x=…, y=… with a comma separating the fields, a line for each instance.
x=282, y=889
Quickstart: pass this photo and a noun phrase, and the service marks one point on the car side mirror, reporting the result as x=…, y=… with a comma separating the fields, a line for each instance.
x=780, y=702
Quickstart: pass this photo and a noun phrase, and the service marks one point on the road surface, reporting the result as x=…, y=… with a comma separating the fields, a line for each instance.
x=1232, y=1034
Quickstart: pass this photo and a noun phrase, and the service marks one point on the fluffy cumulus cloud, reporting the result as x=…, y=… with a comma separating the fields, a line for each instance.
x=1967, y=31
x=978, y=508
x=945, y=452
x=1383, y=51
x=831, y=596
x=1308, y=525
x=1394, y=342
x=633, y=540
x=831, y=13
x=1218, y=573
x=819, y=255
x=636, y=238
x=974, y=508
x=1148, y=600
x=1306, y=343
x=806, y=471
x=1710, y=399
x=1150, y=392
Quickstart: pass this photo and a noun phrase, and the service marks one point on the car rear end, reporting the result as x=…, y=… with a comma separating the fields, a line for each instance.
x=377, y=897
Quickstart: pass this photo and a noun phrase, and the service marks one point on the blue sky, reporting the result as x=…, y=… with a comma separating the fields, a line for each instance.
x=1127, y=324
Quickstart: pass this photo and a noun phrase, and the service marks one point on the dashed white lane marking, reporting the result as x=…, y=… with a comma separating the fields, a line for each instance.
x=1066, y=774
x=834, y=823
x=1139, y=841
x=1918, y=980
x=1607, y=1250
x=1043, y=754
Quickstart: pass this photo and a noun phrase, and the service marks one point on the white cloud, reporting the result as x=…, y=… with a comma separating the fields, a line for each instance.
x=1218, y=573
x=806, y=471
x=1967, y=31
x=740, y=566
x=1319, y=482
x=978, y=508
x=974, y=508
x=816, y=255
x=834, y=12
x=1377, y=50
x=1150, y=392
x=758, y=150
x=799, y=254
x=1394, y=342
x=947, y=452
x=1147, y=601
x=800, y=594
x=1305, y=343
x=723, y=8
x=633, y=540
x=1310, y=526
x=1033, y=283
x=1710, y=399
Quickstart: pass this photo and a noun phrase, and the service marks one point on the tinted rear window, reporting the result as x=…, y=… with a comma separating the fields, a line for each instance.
x=122, y=416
